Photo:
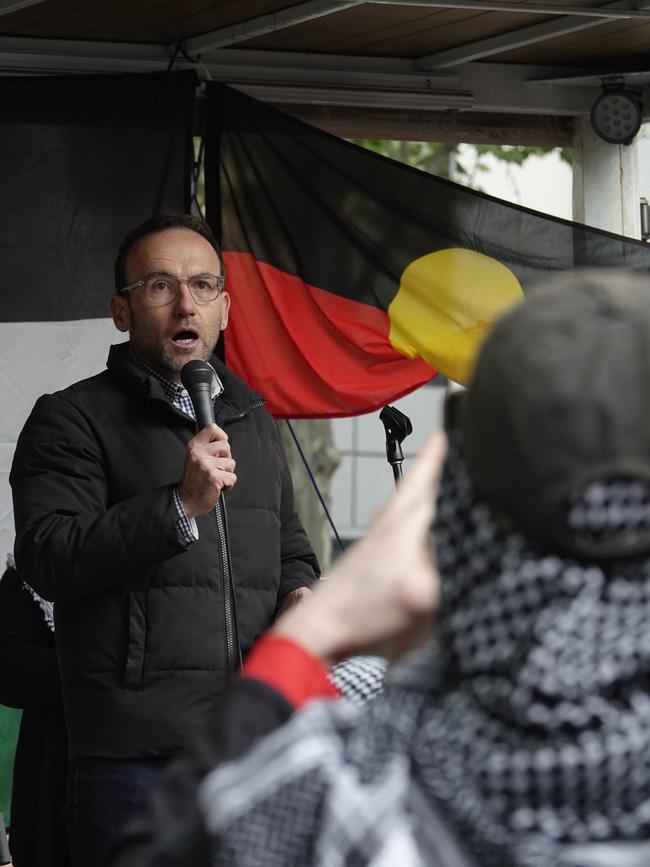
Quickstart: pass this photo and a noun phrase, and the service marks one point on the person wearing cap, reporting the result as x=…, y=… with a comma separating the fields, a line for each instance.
x=164, y=557
x=519, y=734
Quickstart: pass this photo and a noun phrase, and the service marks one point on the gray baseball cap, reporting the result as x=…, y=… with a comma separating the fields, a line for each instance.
x=560, y=398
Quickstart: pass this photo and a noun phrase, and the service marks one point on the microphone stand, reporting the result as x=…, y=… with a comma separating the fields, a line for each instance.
x=398, y=426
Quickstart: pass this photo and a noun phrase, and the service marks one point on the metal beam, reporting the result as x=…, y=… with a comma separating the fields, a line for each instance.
x=640, y=78
x=439, y=126
x=504, y=87
x=407, y=100
x=9, y=6
x=525, y=8
x=27, y=56
x=376, y=81
x=312, y=79
x=266, y=24
x=296, y=78
x=516, y=39
x=312, y=70
x=325, y=79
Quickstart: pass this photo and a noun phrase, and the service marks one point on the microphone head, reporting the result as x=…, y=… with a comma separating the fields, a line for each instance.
x=196, y=372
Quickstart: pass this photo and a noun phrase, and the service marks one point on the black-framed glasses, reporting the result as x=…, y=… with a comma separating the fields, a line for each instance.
x=163, y=288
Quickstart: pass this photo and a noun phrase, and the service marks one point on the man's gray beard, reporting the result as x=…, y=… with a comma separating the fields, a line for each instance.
x=169, y=363
x=173, y=364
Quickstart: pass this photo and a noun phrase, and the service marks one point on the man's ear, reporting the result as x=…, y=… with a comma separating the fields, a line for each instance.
x=120, y=312
x=225, y=309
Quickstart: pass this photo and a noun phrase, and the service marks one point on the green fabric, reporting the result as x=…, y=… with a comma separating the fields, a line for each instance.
x=9, y=725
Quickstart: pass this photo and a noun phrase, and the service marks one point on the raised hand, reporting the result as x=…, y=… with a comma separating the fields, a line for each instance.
x=381, y=595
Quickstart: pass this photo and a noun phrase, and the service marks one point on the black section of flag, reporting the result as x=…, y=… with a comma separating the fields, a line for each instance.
x=83, y=159
x=350, y=221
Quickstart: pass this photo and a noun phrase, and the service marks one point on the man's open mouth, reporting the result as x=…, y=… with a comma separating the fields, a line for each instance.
x=184, y=338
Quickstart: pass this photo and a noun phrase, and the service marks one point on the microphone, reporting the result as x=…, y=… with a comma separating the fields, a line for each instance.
x=197, y=377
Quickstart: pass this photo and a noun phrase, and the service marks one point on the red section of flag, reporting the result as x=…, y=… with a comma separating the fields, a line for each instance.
x=312, y=354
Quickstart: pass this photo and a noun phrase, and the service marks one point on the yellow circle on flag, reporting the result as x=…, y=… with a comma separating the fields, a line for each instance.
x=446, y=304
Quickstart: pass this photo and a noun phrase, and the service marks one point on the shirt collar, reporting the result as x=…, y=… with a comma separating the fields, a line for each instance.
x=175, y=390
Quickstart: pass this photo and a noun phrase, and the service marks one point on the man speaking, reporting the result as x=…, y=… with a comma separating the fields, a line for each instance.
x=165, y=551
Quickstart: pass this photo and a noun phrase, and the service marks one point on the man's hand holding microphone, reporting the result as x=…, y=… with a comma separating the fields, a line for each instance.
x=209, y=467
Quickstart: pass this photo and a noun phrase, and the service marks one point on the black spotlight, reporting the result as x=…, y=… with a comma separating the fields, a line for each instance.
x=616, y=115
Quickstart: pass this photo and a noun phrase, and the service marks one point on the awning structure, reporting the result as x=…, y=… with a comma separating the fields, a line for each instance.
x=470, y=70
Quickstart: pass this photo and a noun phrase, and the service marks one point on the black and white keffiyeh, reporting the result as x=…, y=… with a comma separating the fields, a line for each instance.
x=359, y=678
x=526, y=723
x=46, y=606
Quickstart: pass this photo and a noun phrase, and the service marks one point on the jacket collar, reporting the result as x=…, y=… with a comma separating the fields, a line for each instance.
x=237, y=398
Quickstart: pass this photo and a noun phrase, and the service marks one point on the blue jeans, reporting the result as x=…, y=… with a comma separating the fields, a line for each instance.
x=103, y=796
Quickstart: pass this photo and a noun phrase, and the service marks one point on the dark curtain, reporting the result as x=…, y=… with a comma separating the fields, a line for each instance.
x=83, y=160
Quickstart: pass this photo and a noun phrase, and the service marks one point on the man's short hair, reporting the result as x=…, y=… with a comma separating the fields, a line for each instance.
x=153, y=225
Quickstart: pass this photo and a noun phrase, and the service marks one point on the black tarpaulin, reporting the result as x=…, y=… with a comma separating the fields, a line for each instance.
x=84, y=159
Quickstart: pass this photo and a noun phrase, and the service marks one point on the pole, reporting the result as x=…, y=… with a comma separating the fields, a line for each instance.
x=397, y=426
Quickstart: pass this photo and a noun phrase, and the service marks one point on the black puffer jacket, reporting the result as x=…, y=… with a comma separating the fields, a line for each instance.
x=140, y=616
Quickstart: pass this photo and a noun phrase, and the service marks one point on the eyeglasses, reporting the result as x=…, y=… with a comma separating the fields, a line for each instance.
x=163, y=289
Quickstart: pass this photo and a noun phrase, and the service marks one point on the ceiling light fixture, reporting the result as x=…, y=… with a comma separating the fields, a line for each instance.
x=616, y=114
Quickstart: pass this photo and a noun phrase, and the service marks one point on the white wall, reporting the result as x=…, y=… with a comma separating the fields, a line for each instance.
x=364, y=478
x=40, y=357
x=542, y=183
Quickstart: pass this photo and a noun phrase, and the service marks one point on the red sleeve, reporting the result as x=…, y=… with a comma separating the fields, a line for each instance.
x=289, y=669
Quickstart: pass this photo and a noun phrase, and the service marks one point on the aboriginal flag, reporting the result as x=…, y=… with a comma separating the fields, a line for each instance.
x=353, y=278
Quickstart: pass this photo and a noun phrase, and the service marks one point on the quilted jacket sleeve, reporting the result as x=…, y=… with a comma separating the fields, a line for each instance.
x=299, y=566
x=70, y=541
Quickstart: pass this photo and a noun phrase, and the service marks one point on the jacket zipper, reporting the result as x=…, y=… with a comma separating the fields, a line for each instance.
x=230, y=620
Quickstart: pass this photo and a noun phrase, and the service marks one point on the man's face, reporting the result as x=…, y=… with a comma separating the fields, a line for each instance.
x=167, y=336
